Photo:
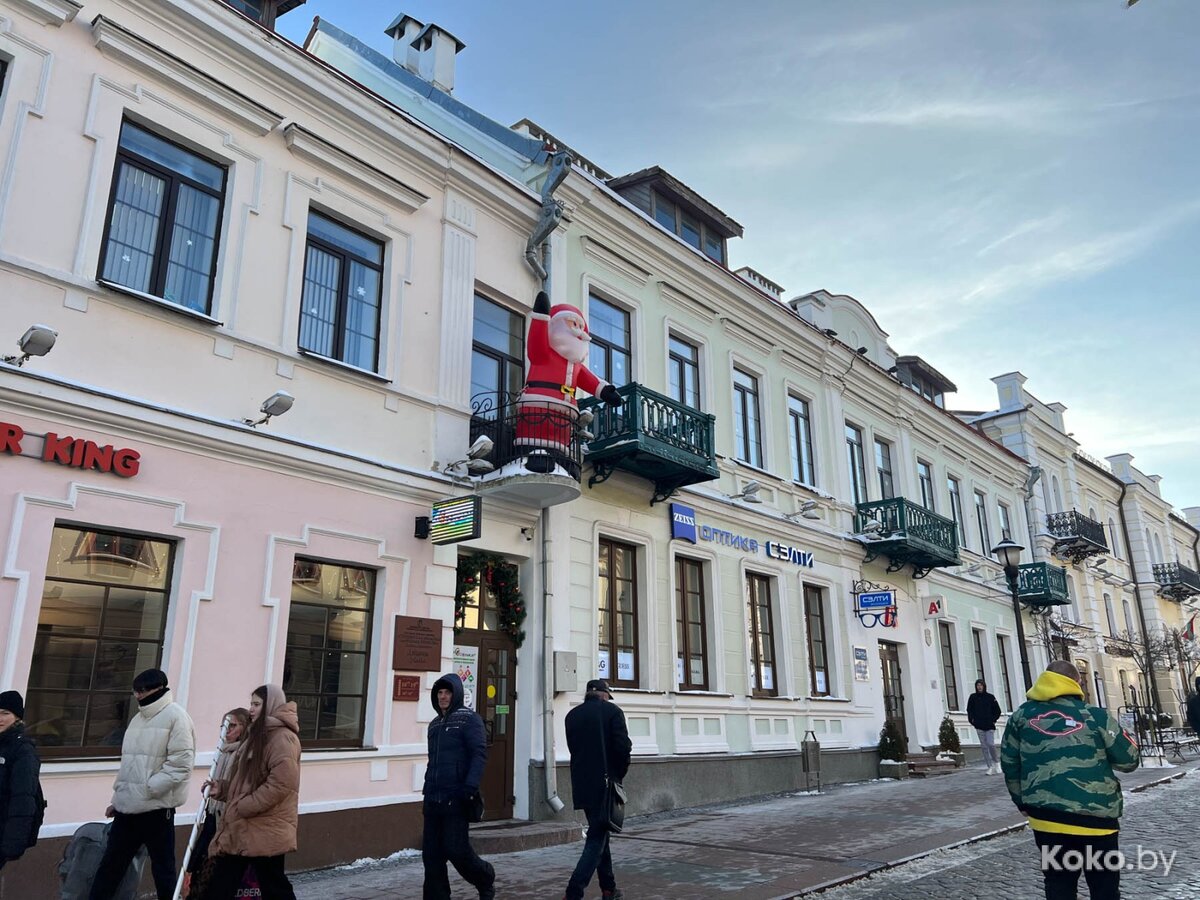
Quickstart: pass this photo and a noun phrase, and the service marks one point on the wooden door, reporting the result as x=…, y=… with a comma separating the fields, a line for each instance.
x=893, y=687
x=496, y=702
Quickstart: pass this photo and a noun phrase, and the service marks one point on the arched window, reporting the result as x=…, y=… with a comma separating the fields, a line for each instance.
x=1114, y=539
x=1110, y=614
x=1130, y=624
x=1058, y=507
x=1158, y=554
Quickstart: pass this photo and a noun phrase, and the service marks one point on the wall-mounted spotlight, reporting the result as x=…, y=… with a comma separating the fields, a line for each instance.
x=527, y=533
x=861, y=351
x=807, y=510
x=748, y=493
x=275, y=405
x=829, y=331
x=474, y=463
x=38, y=340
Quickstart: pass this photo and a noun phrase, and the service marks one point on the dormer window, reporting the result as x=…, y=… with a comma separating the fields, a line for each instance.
x=674, y=218
x=264, y=12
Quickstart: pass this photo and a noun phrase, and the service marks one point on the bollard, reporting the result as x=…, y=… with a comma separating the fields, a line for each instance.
x=810, y=754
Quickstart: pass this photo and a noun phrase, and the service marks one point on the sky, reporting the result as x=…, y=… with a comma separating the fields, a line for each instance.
x=1005, y=185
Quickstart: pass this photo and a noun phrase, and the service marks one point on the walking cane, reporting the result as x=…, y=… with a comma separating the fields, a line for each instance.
x=203, y=812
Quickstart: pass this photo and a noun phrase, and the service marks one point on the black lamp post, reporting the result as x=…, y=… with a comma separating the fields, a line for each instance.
x=1009, y=554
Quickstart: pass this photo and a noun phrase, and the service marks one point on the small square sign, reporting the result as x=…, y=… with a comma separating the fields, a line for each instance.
x=683, y=523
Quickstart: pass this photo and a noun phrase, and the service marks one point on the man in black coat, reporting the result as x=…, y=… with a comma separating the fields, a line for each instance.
x=1193, y=709
x=20, y=797
x=457, y=754
x=982, y=713
x=599, y=744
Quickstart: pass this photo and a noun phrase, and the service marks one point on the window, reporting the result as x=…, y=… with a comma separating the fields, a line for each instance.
x=328, y=652
x=617, y=567
x=672, y=217
x=684, y=372
x=691, y=665
x=763, y=680
x=977, y=640
x=883, y=468
x=611, y=341
x=854, y=457
x=1005, y=521
x=925, y=477
x=956, y=511
x=747, y=431
x=981, y=519
x=1130, y=624
x=801, y=440
x=163, y=220
x=1002, y=652
x=497, y=353
x=262, y=11
x=101, y=622
x=948, y=676
x=343, y=286
x=1114, y=540
x=818, y=654
x=1111, y=614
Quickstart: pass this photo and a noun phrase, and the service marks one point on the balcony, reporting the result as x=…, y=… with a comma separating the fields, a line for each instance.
x=652, y=437
x=1042, y=585
x=1076, y=537
x=1176, y=582
x=537, y=453
x=907, y=534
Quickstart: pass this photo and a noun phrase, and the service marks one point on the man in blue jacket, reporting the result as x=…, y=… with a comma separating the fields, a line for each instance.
x=457, y=753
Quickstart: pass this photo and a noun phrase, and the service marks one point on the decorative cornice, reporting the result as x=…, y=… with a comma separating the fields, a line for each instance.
x=49, y=12
x=687, y=302
x=614, y=261
x=746, y=336
x=317, y=150
x=119, y=43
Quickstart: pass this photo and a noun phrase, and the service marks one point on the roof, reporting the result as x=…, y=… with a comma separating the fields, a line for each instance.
x=286, y=6
x=662, y=178
x=537, y=131
x=918, y=365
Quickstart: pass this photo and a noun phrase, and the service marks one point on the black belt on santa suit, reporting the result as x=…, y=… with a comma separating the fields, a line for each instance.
x=566, y=390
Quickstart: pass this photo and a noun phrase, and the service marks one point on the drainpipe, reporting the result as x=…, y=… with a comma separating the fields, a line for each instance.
x=537, y=255
x=1137, y=595
x=1035, y=474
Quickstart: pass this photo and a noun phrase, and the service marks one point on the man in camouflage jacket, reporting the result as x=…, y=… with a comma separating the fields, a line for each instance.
x=1058, y=757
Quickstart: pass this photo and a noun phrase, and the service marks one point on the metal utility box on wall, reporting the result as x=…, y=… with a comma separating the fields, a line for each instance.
x=565, y=676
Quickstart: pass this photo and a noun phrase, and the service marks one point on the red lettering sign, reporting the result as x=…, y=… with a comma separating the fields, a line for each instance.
x=76, y=453
x=10, y=438
x=57, y=449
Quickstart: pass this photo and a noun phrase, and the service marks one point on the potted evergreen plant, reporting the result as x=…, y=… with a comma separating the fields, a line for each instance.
x=893, y=754
x=950, y=746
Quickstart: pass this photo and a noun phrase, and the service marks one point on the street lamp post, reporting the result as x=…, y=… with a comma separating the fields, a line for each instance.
x=1009, y=554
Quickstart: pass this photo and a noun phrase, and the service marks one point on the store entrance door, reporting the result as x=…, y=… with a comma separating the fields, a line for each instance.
x=893, y=687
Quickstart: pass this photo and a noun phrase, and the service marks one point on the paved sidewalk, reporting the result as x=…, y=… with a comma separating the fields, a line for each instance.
x=759, y=851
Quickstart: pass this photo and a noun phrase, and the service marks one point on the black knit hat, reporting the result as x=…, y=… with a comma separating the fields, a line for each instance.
x=150, y=680
x=12, y=701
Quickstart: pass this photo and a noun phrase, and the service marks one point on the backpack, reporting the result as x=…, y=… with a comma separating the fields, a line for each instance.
x=39, y=815
x=81, y=859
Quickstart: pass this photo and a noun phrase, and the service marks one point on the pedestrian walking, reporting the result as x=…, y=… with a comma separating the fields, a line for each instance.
x=983, y=711
x=21, y=804
x=157, y=753
x=236, y=721
x=262, y=802
x=457, y=754
x=1058, y=757
x=1193, y=709
x=599, y=743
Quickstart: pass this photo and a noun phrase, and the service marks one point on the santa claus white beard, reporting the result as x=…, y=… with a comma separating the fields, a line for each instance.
x=567, y=345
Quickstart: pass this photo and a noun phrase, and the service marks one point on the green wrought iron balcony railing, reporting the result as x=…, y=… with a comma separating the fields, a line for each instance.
x=1176, y=581
x=1076, y=537
x=907, y=534
x=1041, y=584
x=653, y=437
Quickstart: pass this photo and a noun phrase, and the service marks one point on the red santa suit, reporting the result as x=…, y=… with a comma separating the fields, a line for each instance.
x=557, y=349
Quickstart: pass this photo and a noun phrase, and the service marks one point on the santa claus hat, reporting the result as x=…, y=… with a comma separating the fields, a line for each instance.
x=565, y=309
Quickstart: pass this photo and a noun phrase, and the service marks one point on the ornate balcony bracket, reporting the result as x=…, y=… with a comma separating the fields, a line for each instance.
x=1176, y=582
x=1076, y=537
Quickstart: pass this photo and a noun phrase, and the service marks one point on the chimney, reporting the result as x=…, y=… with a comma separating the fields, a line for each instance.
x=403, y=31
x=436, y=49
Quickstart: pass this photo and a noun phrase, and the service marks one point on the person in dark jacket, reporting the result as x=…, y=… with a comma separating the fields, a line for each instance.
x=20, y=808
x=1193, y=709
x=457, y=754
x=982, y=712
x=599, y=743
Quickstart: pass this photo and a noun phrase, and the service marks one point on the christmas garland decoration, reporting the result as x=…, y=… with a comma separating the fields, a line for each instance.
x=498, y=575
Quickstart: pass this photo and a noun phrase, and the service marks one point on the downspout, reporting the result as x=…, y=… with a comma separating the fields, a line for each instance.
x=537, y=255
x=1035, y=474
x=1137, y=595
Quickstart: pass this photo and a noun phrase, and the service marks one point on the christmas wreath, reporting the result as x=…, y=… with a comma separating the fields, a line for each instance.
x=494, y=572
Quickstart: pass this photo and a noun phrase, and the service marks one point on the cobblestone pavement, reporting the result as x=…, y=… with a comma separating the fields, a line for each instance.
x=1161, y=819
x=788, y=845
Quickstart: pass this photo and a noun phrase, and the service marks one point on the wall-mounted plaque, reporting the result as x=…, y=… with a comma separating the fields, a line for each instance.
x=418, y=645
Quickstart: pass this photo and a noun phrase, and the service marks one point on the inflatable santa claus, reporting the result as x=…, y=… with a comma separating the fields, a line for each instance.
x=558, y=350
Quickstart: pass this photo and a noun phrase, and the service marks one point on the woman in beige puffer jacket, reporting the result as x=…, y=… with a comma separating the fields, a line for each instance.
x=261, y=801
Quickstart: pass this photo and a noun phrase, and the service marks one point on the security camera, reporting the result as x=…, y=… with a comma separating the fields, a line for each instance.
x=480, y=447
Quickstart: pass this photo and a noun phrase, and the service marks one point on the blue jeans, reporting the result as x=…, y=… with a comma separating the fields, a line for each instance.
x=595, y=859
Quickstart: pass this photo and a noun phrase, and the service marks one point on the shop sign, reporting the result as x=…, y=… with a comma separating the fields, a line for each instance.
x=877, y=600
x=456, y=519
x=76, y=453
x=685, y=528
x=935, y=607
x=418, y=644
x=466, y=667
x=862, y=666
